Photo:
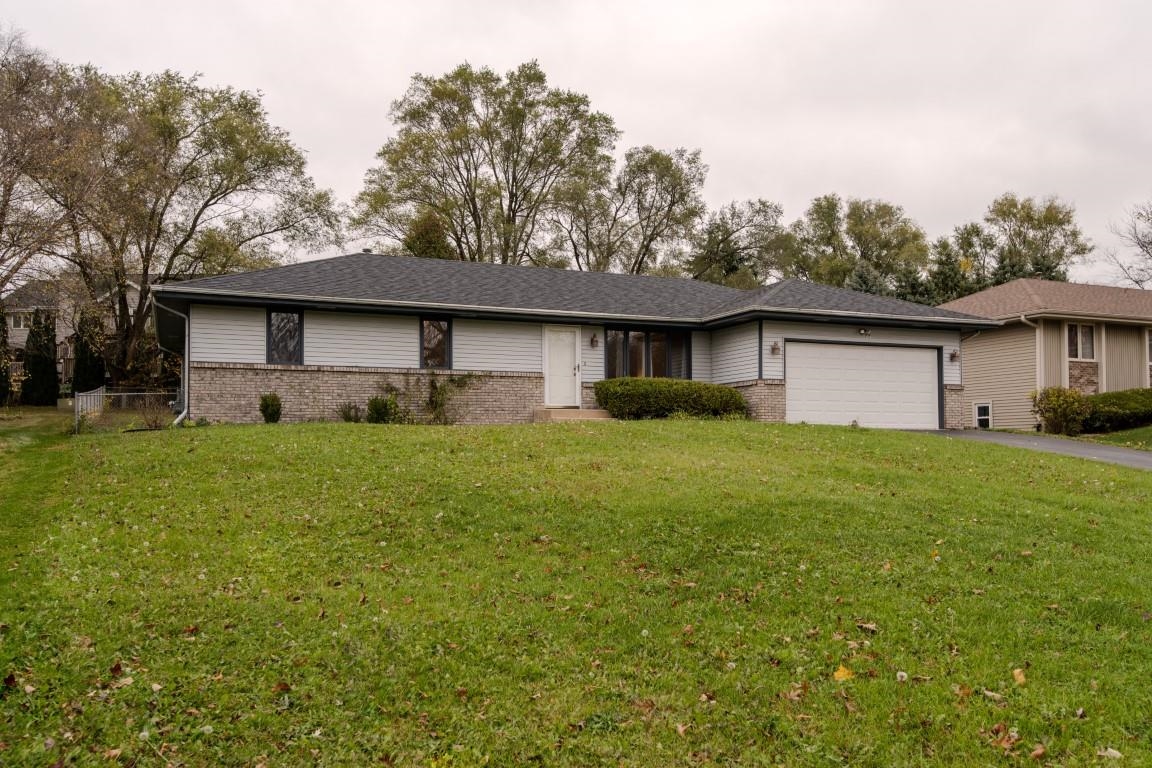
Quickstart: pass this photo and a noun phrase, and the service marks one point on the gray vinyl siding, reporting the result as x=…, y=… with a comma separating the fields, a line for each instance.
x=1000, y=368
x=734, y=353
x=491, y=345
x=1125, y=348
x=1053, y=354
x=774, y=364
x=701, y=356
x=380, y=341
x=591, y=357
x=228, y=334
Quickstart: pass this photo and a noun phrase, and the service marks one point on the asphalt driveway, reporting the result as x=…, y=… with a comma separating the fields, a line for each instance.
x=1111, y=454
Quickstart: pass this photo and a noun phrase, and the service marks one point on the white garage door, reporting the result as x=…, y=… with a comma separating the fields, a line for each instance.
x=875, y=386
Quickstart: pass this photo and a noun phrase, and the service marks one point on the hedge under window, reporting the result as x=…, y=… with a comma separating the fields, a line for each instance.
x=285, y=338
x=435, y=346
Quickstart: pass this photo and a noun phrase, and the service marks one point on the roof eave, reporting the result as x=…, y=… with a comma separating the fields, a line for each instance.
x=1048, y=314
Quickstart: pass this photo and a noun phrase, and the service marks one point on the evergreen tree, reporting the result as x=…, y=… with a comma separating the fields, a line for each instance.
x=911, y=286
x=866, y=279
x=88, y=372
x=946, y=278
x=41, y=385
x=5, y=360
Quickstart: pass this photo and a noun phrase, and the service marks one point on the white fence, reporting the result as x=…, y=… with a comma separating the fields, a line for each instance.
x=125, y=408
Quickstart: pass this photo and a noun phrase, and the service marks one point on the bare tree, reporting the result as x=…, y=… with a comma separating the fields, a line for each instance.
x=1136, y=232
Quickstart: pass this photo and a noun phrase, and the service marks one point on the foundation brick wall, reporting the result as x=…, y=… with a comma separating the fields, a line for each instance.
x=588, y=396
x=954, y=415
x=230, y=392
x=765, y=398
x=1084, y=376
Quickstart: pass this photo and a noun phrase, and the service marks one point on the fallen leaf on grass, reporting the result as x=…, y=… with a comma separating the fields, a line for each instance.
x=156, y=687
x=993, y=695
x=681, y=728
x=1018, y=676
x=116, y=670
x=842, y=673
x=29, y=689
x=112, y=754
x=122, y=682
x=281, y=687
x=1038, y=752
x=867, y=627
x=1109, y=753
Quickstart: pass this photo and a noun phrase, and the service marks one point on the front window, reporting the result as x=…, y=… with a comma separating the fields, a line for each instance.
x=435, y=346
x=285, y=338
x=1081, y=342
x=983, y=415
x=19, y=320
x=646, y=353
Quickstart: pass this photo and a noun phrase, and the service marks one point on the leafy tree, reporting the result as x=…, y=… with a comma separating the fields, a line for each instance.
x=737, y=244
x=88, y=367
x=487, y=153
x=41, y=385
x=627, y=226
x=1033, y=238
x=38, y=132
x=427, y=238
x=1136, y=232
x=193, y=181
x=5, y=360
x=834, y=236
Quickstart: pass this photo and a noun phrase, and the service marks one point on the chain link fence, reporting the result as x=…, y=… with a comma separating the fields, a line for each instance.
x=121, y=410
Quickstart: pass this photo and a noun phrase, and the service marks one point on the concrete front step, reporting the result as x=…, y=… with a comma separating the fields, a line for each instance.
x=570, y=414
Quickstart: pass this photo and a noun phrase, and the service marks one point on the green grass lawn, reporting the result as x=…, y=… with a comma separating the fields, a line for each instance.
x=1141, y=438
x=638, y=594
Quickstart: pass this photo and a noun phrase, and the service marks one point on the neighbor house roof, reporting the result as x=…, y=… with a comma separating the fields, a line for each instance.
x=410, y=284
x=1030, y=297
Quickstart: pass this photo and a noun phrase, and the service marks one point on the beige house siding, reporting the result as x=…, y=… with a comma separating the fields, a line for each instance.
x=1000, y=368
x=1124, y=357
x=1052, y=354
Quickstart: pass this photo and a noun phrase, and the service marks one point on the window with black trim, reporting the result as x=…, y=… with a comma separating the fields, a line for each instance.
x=285, y=338
x=647, y=353
x=435, y=343
x=1081, y=342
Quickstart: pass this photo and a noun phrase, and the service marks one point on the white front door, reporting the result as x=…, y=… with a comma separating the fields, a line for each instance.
x=561, y=366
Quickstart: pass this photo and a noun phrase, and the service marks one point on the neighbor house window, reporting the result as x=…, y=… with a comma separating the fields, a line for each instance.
x=18, y=320
x=1081, y=342
x=285, y=338
x=646, y=353
x=435, y=344
x=983, y=415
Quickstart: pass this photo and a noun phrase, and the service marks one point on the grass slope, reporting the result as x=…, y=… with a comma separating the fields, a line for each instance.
x=1141, y=438
x=676, y=593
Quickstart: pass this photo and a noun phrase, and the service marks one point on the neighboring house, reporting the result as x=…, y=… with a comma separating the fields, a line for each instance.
x=327, y=332
x=1093, y=338
x=19, y=307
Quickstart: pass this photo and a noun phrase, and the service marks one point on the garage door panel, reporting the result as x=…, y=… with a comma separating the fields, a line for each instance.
x=872, y=385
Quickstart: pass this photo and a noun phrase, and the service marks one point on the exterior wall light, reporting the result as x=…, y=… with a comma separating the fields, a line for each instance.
x=775, y=347
x=594, y=342
x=954, y=355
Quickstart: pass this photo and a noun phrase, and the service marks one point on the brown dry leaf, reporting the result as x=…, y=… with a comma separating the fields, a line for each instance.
x=112, y=754
x=1109, y=753
x=993, y=695
x=795, y=692
x=1038, y=752
x=29, y=689
x=1026, y=553
x=867, y=627
x=156, y=687
x=849, y=705
x=681, y=728
x=122, y=682
x=1018, y=676
x=887, y=566
x=842, y=673
x=961, y=691
x=281, y=687
x=116, y=670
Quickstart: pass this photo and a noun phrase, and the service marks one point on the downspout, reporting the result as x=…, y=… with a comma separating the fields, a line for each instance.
x=185, y=384
x=1026, y=321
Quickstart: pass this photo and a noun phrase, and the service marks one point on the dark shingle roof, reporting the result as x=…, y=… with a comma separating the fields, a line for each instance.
x=398, y=281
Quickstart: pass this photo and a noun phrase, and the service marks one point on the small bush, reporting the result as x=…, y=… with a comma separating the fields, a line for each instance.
x=1114, y=411
x=1061, y=411
x=270, y=407
x=350, y=412
x=383, y=410
x=657, y=398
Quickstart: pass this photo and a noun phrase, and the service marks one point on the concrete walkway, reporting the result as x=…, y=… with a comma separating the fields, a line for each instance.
x=1111, y=454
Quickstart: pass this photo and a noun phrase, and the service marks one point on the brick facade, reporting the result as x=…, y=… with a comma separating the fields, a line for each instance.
x=954, y=415
x=765, y=398
x=588, y=396
x=230, y=392
x=1084, y=376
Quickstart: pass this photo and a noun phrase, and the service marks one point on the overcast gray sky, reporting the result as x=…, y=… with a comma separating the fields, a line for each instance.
x=938, y=107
